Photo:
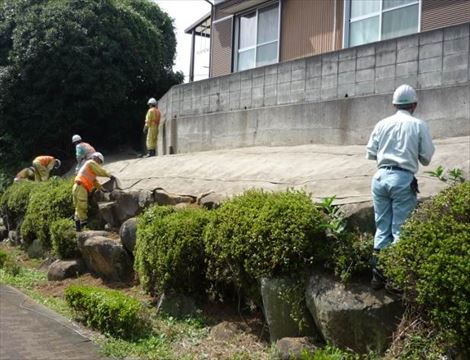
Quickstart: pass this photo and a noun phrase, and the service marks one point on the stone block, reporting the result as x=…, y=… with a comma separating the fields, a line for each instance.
x=270, y=70
x=365, y=50
x=312, y=94
x=408, y=41
x=454, y=77
x=329, y=93
x=298, y=65
x=346, y=78
x=297, y=86
x=407, y=68
x=214, y=87
x=284, y=77
x=298, y=74
x=245, y=98
x=430, y=50
x=329, y=67
x=246, y=75
x=455, y=32
x=313, y=83
x=270, y=79
x=410, y=80
x=385, y=72
x=430, y=37
x=347, y=54
x=258, y=72
x=430, y=79
x=329, y=81
x=455, y=46
x=224, y=84
x=258, y=81
x=257, y=99
x=234, y=101
x=386, y=46
x=347, y=65
x=384, y=86
x=330, y=57
x=455, y=62
x=385, y=58
x=283, y=93
x=235, y=84
x=365, y=75
x=245, y=84
x=313, y=67
x=214, y=103
x=346, y=90
x=366, y=62
x=365, y=88
x=270, y=95
x=407, y=54
x=297, y=96
x=430, y=65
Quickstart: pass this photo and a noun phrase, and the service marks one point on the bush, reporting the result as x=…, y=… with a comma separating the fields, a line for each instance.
x=9, y=264
x=170, y=250
x=14, y=201
x=3, y=258
x=431, y=262
x=109, y=311
x=262, y=234
x=50, y=201
x=64, y=238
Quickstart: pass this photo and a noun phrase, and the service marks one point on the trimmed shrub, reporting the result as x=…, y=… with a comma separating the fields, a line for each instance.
x=14, y=201
x=50, y=200
x=263, y=234
x=170, y=250
x=64, y=238
x=109, y=311
x=3, y=258
x=431, y=262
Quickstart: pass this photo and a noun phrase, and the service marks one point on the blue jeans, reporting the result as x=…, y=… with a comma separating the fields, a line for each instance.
x=394, y=200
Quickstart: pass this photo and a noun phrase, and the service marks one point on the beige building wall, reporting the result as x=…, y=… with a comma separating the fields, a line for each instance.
x=436, y=14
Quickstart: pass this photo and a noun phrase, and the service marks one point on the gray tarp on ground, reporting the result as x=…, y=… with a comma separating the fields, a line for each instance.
x=322, y=170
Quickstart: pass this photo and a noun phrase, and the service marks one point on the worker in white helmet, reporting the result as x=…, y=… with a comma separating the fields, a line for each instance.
x=398, y=143
x=83, y=151
x=85, y=183
x=152, y=121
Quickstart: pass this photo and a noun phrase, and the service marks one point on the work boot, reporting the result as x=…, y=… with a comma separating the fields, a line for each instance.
x=378, y=279
x=152, y=152
x=78, y=226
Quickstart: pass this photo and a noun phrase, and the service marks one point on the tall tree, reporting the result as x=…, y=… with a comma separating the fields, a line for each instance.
x=79, y=66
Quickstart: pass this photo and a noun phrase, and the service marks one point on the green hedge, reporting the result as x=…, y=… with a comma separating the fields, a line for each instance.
x=263, y=234
x=109, y=311
x=64, y=238
x=50, y=201
x=431, y=262
x=169, y=253
x=14, y=201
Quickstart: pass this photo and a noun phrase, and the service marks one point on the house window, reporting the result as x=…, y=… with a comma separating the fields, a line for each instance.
x=374, y=20
x=257, y=38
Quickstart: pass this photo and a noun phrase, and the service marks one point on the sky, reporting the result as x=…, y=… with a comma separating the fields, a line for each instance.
x=185, y=13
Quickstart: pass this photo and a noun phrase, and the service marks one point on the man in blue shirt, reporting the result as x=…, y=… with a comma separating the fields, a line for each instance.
x=397, y=143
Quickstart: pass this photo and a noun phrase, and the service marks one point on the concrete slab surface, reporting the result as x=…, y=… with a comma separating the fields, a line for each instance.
x=322, y=170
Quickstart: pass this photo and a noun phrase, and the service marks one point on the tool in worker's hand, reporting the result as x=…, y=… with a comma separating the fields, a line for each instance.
x=110, y=185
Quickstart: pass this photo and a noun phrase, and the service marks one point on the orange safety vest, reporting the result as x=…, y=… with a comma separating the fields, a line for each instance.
x=45, y=160
x=156, y=116
x=86, y=177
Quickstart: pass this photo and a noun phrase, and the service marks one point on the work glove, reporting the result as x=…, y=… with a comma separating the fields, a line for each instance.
x=112, y=177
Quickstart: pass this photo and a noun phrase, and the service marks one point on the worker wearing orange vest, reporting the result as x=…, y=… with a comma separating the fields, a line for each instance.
x=152, y=121
x=43, y=166
x=85, y=182
x=25, y=174
x=83, y=151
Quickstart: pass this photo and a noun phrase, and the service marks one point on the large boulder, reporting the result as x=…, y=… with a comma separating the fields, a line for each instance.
x=64, y=269
x=294, y=348
x=211, y=200
x=107, y=258
x=35, y=250
x=161, y=197
x=177, y=305
x=128, y=234
x=226, y=331
x=359, y=216
x=353, y=316
x=3, y=233
x=14, y=238
x=277, y=295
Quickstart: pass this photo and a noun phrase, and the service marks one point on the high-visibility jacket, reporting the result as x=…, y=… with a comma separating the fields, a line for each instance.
x=153, y=117
x=84, y=151
x=87, y=175
x=44, y=160
x=25, y=174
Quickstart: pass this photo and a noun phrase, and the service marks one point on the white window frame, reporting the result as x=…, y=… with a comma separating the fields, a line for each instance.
x=236, y=36
x=348, y=20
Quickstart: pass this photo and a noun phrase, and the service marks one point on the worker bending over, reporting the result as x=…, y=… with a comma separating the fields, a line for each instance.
x=152, y=121
x=25, y=174
x=43, y=166
x=85, y=182
x=83, y=151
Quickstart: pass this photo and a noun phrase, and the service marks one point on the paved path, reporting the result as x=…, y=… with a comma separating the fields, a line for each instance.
x=30, y=331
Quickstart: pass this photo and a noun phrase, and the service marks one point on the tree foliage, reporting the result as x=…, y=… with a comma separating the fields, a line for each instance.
x=79, y=66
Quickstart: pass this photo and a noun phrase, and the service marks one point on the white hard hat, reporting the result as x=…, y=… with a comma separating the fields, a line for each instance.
x=76, y=138
x=404, y=94
x=57, y=164
x=152, y=101
x=98, y=155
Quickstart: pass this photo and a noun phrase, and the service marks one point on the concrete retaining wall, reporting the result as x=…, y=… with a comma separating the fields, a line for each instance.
x=334, y=98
